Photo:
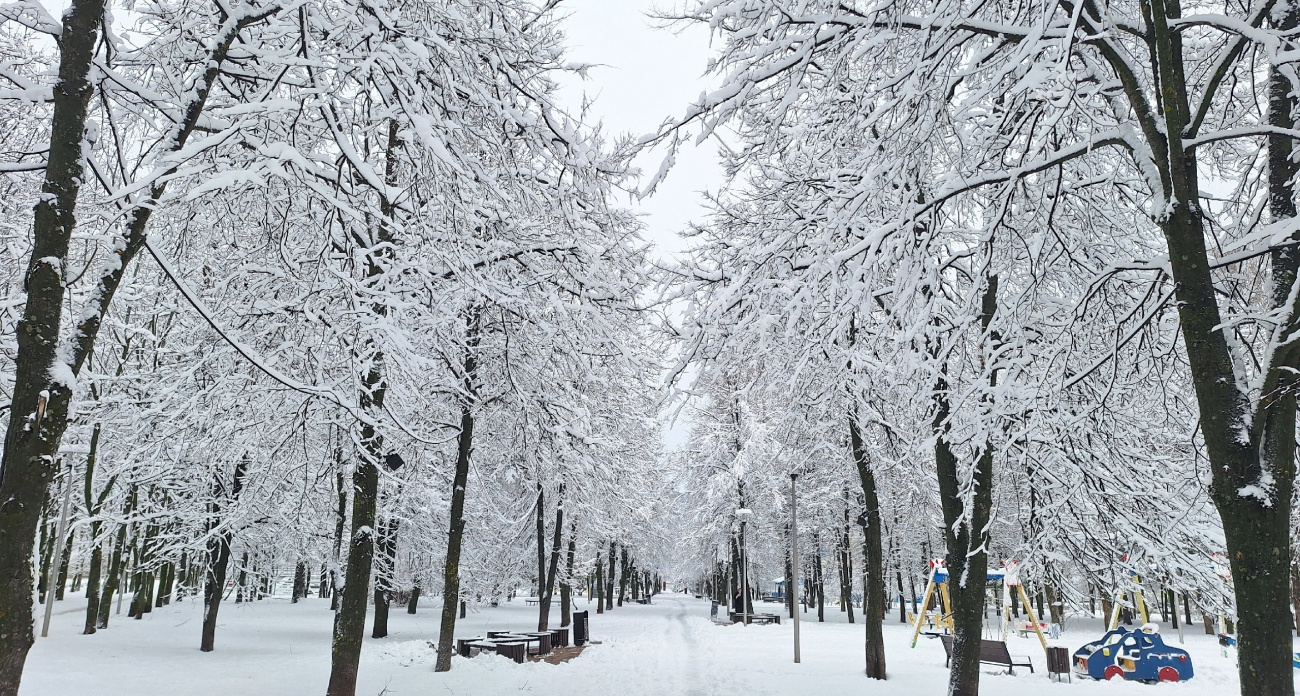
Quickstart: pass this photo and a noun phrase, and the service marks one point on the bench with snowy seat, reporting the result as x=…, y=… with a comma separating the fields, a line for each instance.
x=992, y=652
x=516, y=650
x=737, y=617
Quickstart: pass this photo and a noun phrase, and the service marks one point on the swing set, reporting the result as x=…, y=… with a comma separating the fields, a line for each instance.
x=1008, y=577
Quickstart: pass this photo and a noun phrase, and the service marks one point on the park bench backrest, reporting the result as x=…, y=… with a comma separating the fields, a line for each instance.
x=992, y=651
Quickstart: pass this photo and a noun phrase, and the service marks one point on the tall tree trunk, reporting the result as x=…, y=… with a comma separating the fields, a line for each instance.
x=965, y=530
x=566, y=586
x=166, y=579
x=384, y=576
x=340, y=518
x=540, y=519
x=902, y=602
x=94, y=504
x=219, y=552
x=609, y=578
x=40, y=394
x=544, y=603
x=1295, y=597
x=413, y=602
x=92, y=579
x=115, y=564
x=820, y=579
x=873, y=590
x=600, y=583
x=241, y=580
x=350, y=620
x=622, y=575
x=299, y=582
x=65, y=556
x=456, y=527
x=846, y=578
x=39, y=408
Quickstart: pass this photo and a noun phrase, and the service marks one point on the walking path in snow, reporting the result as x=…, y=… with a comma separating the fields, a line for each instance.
x=670, y=648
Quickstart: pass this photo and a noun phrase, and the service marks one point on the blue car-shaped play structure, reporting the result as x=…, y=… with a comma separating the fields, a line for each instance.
x=1139, y=655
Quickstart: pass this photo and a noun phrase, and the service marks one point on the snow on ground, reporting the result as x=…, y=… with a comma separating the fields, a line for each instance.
x=670, y=648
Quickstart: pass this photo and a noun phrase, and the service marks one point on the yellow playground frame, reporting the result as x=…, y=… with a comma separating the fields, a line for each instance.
x=1009, y=576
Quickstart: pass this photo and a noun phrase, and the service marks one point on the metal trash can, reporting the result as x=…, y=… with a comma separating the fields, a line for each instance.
x=713, y=610
x=580, y=633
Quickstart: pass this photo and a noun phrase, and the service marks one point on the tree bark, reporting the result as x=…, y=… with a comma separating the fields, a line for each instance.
x=609, y=578
x=566, y=586
x=39, y=408
x=65, y=556
x=384, y=576
x=623, y=574
x=456, y=526
x=218, y=553
x=414, y=602
x=544, y=601
x=1295, y=596
x=299, y=582
x=115, y=564
x=40, y=394
x=241, y=580
x=350, y=620
x=540, y=519
x=820, y=578
x=340, y=518
x=873, y=595
x=965, y=529
x=93, y=506
x=600, y=583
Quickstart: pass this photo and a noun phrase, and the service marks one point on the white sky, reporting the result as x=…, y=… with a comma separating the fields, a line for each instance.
x=644, y=75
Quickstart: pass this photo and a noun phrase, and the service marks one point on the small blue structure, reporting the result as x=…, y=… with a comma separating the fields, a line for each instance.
x=1139, y=655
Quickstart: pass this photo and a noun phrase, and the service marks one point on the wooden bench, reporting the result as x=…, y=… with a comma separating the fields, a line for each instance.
x=517, y=651
x=992, y=652
x=760, y=619
x=463, y=645
x=532, y=601
x=559, y=637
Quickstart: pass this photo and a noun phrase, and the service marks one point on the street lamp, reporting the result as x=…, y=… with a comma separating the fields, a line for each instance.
x=791, y=585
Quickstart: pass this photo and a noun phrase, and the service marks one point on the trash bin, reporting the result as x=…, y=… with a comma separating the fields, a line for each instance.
x=580, y=634
x=713, y=610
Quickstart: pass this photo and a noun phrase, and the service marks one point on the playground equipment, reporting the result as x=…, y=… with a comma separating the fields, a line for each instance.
x=1138, y=655
x=1008, y=576
x=1139, y=603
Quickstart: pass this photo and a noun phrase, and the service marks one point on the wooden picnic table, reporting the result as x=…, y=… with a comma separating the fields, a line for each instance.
x=516, y=650
x=543, y=640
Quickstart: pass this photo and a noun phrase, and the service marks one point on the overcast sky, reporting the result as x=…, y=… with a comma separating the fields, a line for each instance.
x=645, y=74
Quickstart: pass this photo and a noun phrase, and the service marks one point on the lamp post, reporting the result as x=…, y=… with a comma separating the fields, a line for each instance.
x=791, y=585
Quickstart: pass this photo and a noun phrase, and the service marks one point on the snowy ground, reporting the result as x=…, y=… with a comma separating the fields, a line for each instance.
x=275, y=648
